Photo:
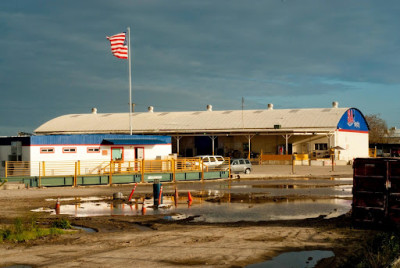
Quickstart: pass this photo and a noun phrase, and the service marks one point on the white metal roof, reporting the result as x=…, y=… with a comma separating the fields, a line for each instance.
x=262, y=121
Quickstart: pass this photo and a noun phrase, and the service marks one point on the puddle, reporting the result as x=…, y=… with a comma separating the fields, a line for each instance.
x=282, y=209
x=42, y=209
x=299, y=259
x=85, y=229
x=77, y=199
x=19, y=266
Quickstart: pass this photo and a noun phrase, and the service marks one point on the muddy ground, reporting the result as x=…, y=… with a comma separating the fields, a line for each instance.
x=152, y=241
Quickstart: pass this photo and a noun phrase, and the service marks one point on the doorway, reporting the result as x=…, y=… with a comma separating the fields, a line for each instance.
x=139, y=153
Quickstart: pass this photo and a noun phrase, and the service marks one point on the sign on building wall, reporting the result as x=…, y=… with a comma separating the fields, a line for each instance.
x=353, y=120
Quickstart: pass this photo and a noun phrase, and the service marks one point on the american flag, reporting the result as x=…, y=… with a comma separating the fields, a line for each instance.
x=119, y=47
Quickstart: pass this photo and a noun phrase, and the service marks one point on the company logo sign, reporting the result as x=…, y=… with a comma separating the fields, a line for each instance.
x=351, y=120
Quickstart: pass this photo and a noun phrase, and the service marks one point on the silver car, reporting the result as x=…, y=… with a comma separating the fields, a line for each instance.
x=241, y=165
x=211, y=161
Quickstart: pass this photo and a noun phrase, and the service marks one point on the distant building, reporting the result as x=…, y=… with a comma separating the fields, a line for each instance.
x=89, y=147
x=234, y=132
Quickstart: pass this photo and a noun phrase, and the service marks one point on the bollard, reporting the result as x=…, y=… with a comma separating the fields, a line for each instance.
x=118, y=196
x=176, y=197
x=157, y=194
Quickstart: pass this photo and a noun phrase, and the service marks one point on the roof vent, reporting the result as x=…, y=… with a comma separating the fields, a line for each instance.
x=335, y=104
x=270, y=106
x=209, y=108
x=150, y=109
x=94, y=110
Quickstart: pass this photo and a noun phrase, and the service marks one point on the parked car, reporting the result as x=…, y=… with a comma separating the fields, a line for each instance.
x=241, y=165
x=211, y=161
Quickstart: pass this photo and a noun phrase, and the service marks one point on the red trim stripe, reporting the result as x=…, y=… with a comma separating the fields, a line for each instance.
x=66, y=145
x=355, y=131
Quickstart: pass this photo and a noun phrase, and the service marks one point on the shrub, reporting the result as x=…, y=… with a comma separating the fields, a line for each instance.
x=61, y=224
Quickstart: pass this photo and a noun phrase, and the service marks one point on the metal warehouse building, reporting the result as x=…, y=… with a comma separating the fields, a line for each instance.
x=234, y=133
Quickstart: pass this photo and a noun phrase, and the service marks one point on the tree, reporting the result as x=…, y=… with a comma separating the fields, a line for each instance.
x=378, y=130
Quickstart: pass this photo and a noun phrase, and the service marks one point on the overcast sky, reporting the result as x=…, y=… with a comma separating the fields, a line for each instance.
x=55, y=58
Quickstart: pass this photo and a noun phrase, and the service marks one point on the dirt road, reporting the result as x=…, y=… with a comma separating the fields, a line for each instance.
x=151, y=241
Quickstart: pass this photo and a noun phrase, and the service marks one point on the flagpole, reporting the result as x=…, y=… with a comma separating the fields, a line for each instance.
x=130, y=80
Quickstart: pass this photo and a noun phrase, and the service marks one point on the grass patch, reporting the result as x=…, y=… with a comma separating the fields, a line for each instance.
x=379, y=251
x=20, y=231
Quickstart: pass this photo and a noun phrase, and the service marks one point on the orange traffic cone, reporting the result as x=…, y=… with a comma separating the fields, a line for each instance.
x=190, y=199
x=58, y=206
x=143, y=210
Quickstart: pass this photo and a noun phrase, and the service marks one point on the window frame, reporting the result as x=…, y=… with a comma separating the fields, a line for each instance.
x=47, y=150
x=67, y=150
x=320, y=146
x=88, y=150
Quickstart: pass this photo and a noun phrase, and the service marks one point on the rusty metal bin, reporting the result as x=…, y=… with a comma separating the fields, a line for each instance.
x=376, y=190
x=369, y=190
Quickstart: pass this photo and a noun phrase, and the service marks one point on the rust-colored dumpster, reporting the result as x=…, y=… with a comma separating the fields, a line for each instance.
x=394, y=191
x=376, y=190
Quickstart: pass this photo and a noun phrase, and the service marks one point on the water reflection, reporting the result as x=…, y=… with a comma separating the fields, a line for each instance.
x=298, y=259
x=282, y=209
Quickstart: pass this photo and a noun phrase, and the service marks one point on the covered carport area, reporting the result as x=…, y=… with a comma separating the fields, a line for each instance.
x=252, y=144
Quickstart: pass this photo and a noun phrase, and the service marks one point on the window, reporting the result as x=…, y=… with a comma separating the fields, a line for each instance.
x=93, y=150
x=69, y=150
x=46, y=150
x=321, y=146
x=241, y=161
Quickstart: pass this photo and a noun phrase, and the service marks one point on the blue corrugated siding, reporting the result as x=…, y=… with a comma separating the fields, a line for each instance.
x=94, y=139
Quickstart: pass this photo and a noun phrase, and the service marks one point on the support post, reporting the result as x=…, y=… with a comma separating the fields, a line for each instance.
x=202, y=170
x=293, y=163
x=111, y=172
x=286, y=137
x=249, y=137
x=40, y=176
x=178, y=138
x=212, y=142
x=142, y=170
x=6, y=169
x=173, y=170
x=44, y=168
x=76, y=173
x=229, y=169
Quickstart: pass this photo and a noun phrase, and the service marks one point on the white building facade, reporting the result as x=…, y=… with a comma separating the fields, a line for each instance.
x=92, y=150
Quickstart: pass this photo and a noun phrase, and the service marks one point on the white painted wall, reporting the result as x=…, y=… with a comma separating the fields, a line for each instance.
x=53, y=160
x=354, y=143
x=151, y=152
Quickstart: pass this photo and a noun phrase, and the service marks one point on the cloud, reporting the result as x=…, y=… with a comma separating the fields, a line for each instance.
x=55, y=57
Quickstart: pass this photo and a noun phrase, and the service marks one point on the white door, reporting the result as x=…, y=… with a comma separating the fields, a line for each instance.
x=139, y=153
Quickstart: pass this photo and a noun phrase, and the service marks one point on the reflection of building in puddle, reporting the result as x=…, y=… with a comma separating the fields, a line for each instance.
x=284, y=209
x=295, y=259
